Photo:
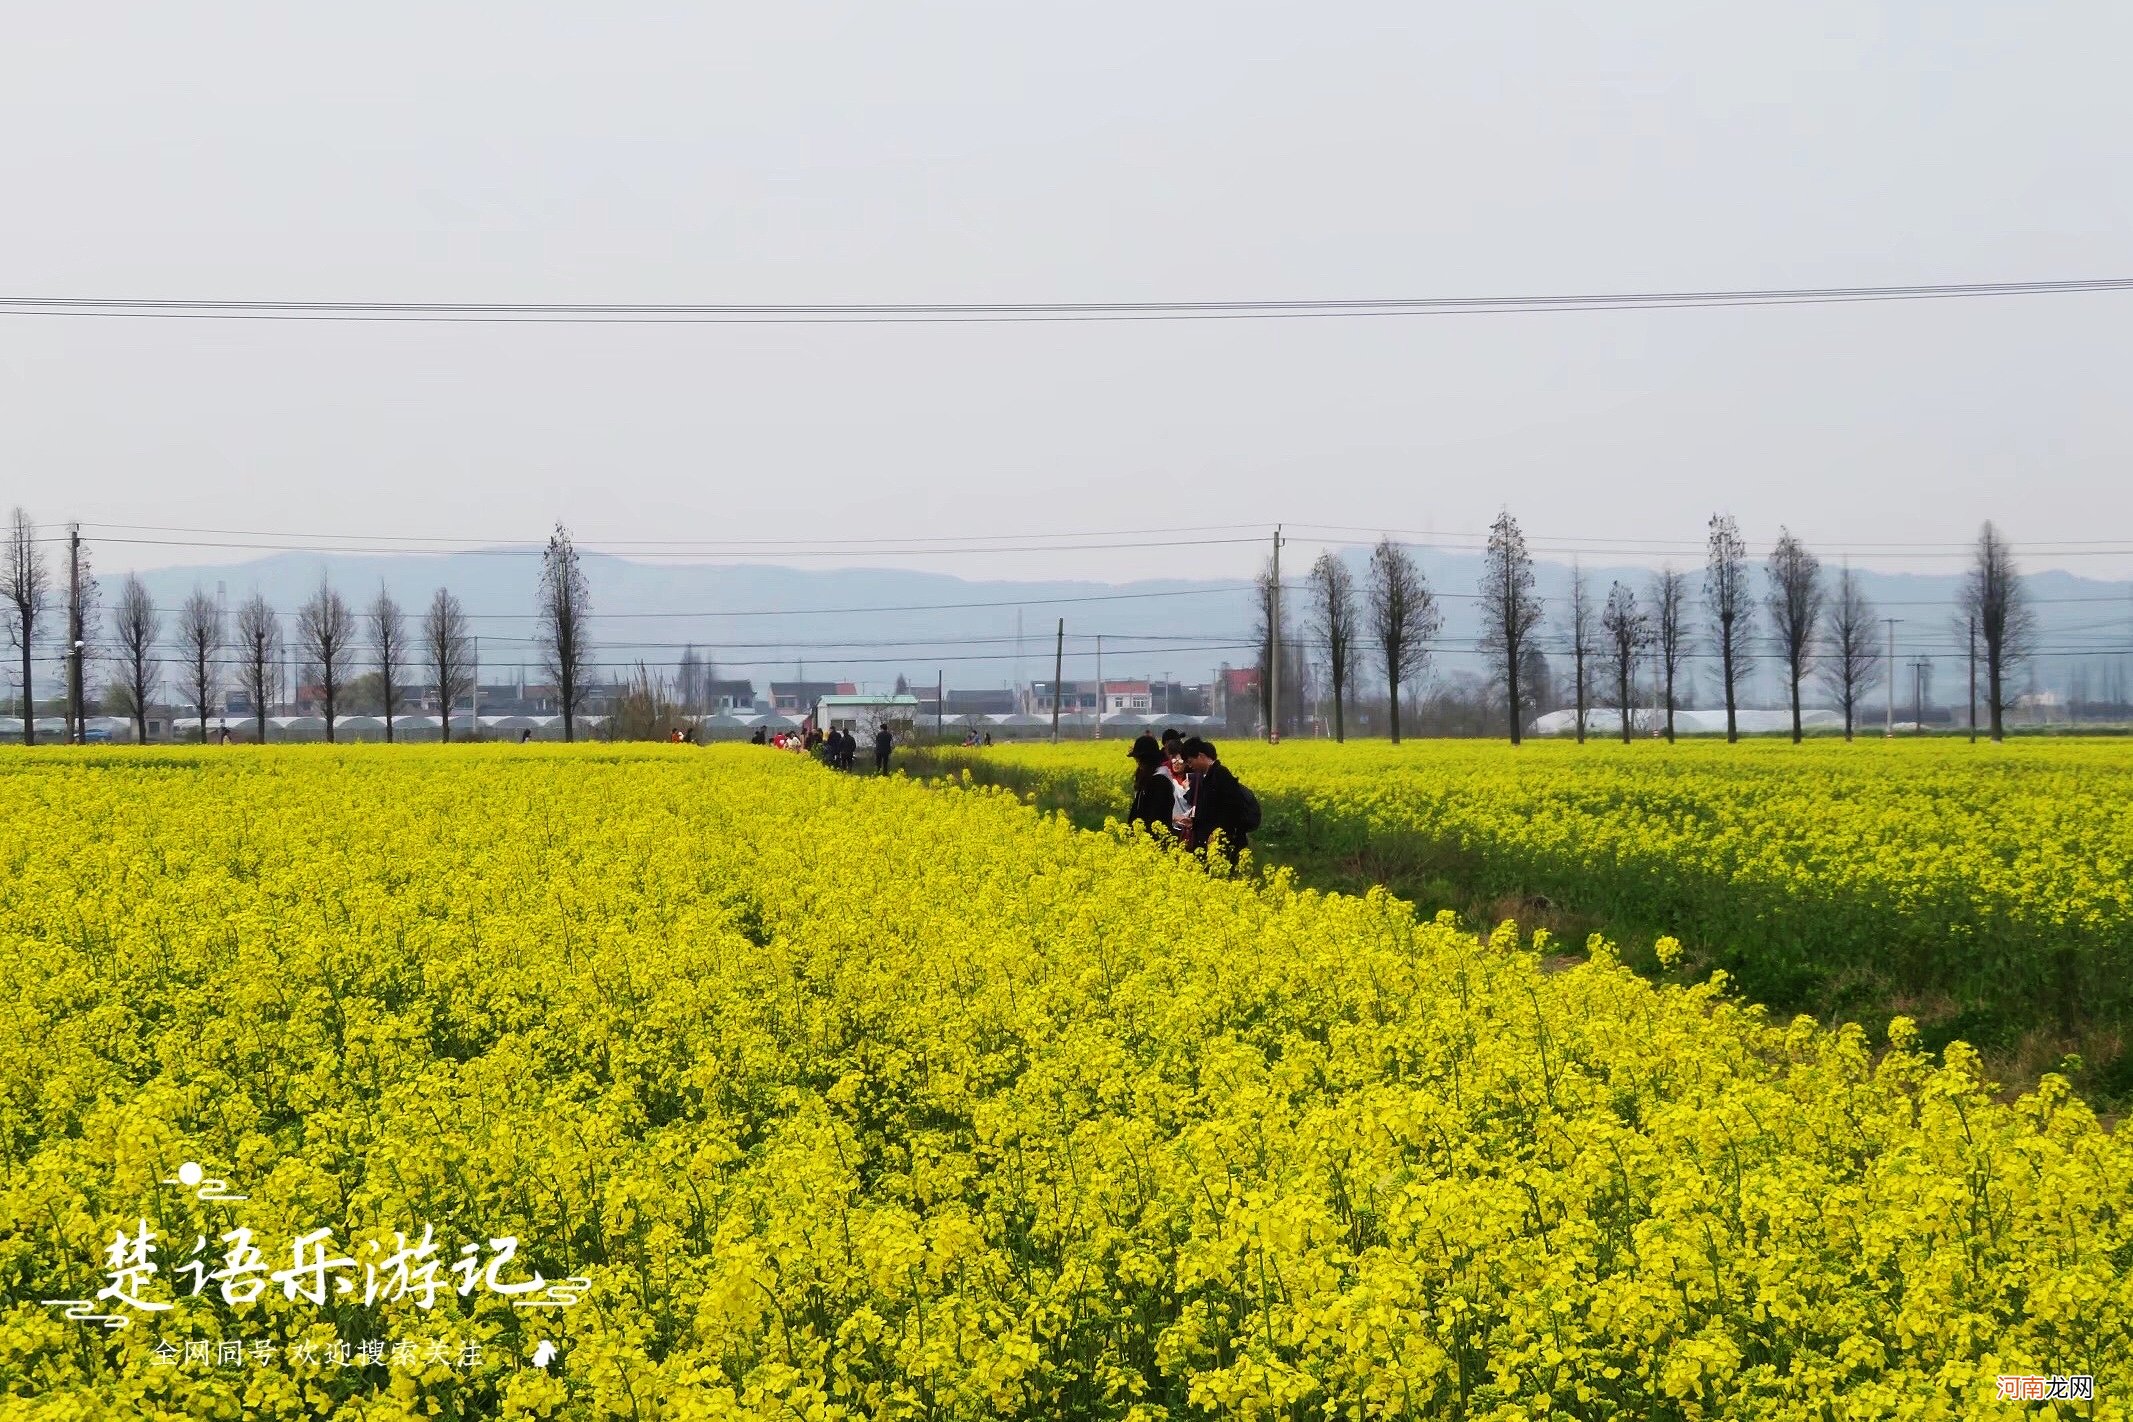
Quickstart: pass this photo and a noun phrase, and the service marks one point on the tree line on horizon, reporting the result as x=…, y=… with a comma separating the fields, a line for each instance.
x=1390, y=617
x=1821, y=626
x=212, y=651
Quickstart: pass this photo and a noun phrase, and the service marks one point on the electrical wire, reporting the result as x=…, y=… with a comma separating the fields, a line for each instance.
x=879, y=313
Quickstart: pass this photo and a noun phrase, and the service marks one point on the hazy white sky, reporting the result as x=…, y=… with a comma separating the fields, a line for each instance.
x=974, y=152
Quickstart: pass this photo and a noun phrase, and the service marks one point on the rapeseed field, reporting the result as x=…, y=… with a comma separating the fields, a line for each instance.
x=809, y=1096
x=1987, y=890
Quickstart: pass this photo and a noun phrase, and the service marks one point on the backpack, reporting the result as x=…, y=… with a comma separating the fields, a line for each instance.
x=1248, y=807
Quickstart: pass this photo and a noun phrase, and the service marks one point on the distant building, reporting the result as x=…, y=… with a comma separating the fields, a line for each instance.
x=1131, y=696
x=798, y=698
x=732, y=696
x=863, y=715
x=1177, y=698
x=996, y=701
x=1237, y=700
x=1076, y=698
x=990, y=701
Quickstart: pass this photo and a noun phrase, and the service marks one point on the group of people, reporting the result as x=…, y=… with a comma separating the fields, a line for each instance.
x=841, y=749
x=1182, y=788
x=838, y=747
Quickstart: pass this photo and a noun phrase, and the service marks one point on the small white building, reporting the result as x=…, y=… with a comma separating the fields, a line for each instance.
x=862, y=715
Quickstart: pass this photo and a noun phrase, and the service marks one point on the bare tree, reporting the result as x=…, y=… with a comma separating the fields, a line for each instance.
x=1795, y=603
x=325, y=636
x=1579, y=619
x=566, y=603
x=388, y=651
x=1266, y=608
x=28, y=587
x=1851, y=653
x=1333, y=623
x=689, y=681
x=258, y=658
x=1726, y=599
x=1629, y=632
x=200, y=638
x=1997, y=604
x=1510, y=612
x=1404, y=617
x=451, y=651
x=135, y=630
x=1670, y=596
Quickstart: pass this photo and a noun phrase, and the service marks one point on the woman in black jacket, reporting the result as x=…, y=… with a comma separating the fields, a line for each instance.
x=1151, y=803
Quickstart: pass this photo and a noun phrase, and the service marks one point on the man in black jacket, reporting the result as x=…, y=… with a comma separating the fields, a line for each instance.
x=883, y=742
x=1217, y=801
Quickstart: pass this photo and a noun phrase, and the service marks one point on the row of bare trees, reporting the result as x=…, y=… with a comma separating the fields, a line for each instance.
x=1393, y=618
x=1818, y=626
x=335, y=645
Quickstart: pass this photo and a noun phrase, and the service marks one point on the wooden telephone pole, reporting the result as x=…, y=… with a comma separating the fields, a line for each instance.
x=1273, y=670
x=1058, y=667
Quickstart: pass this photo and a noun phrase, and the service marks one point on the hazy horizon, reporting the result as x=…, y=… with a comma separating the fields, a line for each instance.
x=969, y=153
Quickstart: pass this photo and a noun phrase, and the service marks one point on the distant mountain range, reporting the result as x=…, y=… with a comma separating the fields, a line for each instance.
x=868, y=625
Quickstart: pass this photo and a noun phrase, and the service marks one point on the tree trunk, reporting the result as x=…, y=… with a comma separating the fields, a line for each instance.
x=29, y=701
x=1670, y=707
x=1992, y=688
x=1395, y=691
x=1726, y=659
x=1512, y=659
x=1622, y=688
x=1579, y=659
x=1795, y=703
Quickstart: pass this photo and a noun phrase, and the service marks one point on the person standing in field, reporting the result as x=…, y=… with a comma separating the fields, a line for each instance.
x=1221, y=806
x=884, y=742
x=1152, y=802
x=1179, y=781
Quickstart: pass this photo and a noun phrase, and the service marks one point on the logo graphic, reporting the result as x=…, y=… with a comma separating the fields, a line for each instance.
x=414, y=1269
x=543, y=1353
x=193, y=1176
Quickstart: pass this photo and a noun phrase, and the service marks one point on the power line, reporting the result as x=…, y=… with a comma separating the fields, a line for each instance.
x=879, y=313
x=1648, y=545
x=822, y=542
x=694, y=551
x=845, y=611
x=708, y=550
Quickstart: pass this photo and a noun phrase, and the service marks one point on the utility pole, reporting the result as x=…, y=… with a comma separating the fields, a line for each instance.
x=1973, y=678
x=1918, y=696
x=474, y=716
x=940, y=701
x=76, y=733
x=1099, y=686
x=1273, y=671
x=1058, y=669
x=1888, y=724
